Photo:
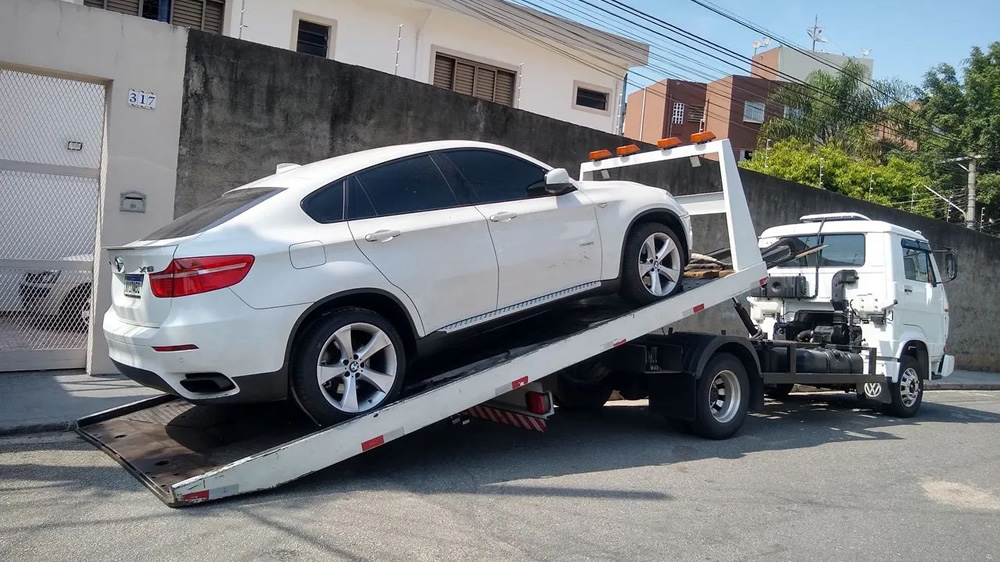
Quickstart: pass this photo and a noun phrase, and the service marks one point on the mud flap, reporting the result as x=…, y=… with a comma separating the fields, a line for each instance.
x=877, y=391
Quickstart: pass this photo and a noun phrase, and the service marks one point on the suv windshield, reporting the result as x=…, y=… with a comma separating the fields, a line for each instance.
x=214, y=213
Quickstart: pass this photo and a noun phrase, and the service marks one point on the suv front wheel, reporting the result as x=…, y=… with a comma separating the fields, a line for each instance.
x=653, y=263
x=348, y=362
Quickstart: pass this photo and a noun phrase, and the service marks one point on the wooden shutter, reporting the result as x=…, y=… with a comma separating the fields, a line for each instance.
x=214, y=12
x=444, y=72
x=486, y=80
x=188, y=13
x=505, y=88
x=94, y=3
x=465, y=77
x=130, y=7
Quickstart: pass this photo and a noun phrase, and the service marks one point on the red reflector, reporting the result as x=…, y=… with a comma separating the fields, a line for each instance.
x=763, y=282
x=185, y=347
x=699, y=308
x=202, y=495
x=519, y=382
x=538, y=402
x=619, y=342
x=191, y=276
x=372, y=443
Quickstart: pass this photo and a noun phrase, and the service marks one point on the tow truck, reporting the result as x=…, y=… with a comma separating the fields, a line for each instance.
x=573, y=356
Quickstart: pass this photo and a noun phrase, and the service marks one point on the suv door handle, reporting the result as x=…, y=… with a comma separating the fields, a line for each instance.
x=503, y=216
x=907, y=289
x=382, y=235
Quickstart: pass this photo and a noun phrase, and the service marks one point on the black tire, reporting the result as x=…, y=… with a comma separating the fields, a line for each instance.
x=582, y=387
x=75, y=309
x=779, y=391
x=724, y=423
x=314, y=398
x=910, y=382
x=632, y=287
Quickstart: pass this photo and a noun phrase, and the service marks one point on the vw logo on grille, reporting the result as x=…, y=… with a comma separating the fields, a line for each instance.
x=119, y=265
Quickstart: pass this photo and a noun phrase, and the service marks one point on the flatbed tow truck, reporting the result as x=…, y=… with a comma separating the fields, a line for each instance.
x=190, y=454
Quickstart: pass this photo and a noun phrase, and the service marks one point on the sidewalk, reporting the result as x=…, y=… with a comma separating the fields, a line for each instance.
x=53, y=400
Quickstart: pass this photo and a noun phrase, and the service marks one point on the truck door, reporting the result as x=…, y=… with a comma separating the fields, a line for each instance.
x=922, y=305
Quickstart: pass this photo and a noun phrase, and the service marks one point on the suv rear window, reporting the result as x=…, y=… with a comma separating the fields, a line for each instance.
x=214, y=213
x=842, y=250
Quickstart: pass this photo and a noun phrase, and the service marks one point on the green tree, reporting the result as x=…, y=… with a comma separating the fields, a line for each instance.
x=840, y=109
x=960, y=115
x=894, y=183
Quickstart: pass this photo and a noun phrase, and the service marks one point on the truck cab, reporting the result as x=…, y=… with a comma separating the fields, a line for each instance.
x=862, y=282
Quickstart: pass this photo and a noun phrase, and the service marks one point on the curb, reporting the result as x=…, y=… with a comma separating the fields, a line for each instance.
x=963, y=386
x=44, y=427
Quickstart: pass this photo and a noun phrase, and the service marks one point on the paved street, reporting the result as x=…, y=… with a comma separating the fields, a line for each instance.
x=803, y=481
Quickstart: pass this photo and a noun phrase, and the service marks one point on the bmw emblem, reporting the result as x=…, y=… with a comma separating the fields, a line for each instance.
x=119, y=264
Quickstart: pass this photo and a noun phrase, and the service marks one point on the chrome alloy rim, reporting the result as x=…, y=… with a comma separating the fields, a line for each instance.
x=909, y=387
x=724, y=396
x=659, y=264
x=357, y=367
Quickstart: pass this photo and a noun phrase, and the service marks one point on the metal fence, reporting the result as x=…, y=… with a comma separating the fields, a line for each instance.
x=51, y=144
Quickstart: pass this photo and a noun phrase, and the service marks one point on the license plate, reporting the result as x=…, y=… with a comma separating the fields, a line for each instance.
x=133, y=285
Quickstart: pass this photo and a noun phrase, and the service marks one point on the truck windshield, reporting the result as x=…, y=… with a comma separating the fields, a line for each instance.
x=842, y=250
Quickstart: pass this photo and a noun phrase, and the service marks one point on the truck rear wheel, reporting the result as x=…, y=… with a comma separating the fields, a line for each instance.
x=583, y=387
x=722, y=398
x=907, y=392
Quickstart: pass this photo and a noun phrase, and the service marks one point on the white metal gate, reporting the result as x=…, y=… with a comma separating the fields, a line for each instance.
x=51, y=142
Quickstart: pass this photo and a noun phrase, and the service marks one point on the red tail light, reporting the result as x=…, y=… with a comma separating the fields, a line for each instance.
x=191, y=276
x=538, y=402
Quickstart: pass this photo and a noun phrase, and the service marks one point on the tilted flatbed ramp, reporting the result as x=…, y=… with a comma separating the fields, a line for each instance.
x=189, y=454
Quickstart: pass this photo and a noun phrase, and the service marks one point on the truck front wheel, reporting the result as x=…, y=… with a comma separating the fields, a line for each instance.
x=908, y=391
x=723, y=397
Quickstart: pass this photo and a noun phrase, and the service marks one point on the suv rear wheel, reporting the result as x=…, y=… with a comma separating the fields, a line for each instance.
x=348, y=362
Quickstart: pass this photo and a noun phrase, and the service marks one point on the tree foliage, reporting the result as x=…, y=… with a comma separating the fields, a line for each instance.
x=893, y=183
x=839, y=109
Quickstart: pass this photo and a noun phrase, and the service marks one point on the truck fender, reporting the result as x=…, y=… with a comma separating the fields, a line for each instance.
x=674, y=394
x=911, y=336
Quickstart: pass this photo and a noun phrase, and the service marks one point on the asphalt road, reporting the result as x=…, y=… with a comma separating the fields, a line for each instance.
x=802, y=481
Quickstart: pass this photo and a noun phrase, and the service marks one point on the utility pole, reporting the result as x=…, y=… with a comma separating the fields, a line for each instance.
x=871, y=185
x=399, y=39
x=821, y=173
x=970, y=213
x=982, y=217
x=767, y=152
x=913, y=197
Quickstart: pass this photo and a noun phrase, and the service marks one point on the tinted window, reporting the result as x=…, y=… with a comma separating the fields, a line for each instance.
x=492, y=176
x=215, y=213
x=407, y=186
x=842, y=250
x=359, y=206
x=326, y=204
x=917, y=262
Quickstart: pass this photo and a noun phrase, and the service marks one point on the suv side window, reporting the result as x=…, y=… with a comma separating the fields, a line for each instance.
x=326, y=204
x=917, y=262
x=492, y=177
x=404, y=186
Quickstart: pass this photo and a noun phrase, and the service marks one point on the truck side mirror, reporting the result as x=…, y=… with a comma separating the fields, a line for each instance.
x=950, y=266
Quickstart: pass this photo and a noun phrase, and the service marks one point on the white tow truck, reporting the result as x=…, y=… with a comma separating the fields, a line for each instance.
x=580, y=353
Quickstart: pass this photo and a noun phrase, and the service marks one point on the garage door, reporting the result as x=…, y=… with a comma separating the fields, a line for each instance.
x=51, y=142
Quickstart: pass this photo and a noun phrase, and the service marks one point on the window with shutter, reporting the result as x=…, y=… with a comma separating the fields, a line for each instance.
x=130, y=7
x=94, y=3
x=696, y=113
x=214, y=12
x=313, y=39
x=205, y=15
x=474, y=79
x=188, y=13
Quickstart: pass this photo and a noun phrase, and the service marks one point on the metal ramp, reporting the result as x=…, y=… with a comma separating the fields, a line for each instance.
x=190, y=454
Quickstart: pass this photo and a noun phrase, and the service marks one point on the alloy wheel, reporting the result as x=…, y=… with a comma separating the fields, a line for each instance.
x=659, y=264
x=357, y=367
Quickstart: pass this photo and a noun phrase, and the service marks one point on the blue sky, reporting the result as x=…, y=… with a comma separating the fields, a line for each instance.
x=906, y=37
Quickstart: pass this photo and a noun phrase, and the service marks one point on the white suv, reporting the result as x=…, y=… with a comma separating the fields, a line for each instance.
x=328, y=279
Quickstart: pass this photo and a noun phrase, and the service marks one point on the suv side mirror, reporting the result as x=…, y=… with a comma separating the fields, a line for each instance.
x=557, y=182
x=950, y=266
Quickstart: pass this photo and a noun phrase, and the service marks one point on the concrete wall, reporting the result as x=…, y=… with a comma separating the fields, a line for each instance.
x=248, y=107
x=365, y=31
x=794, y=65
x=140, y=145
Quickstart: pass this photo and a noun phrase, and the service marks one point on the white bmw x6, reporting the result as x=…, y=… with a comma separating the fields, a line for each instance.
x=323, y=282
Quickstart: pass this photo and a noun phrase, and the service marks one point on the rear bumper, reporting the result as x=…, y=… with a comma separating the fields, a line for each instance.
x=234, y=342
x=943, y=368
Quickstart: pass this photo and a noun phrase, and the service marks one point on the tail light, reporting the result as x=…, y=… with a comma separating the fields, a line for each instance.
x=538, y=402
x=191, y=276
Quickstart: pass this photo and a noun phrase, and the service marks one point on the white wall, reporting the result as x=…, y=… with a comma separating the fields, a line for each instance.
x=140, y=145
x=366, y=32
x=799, y=65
